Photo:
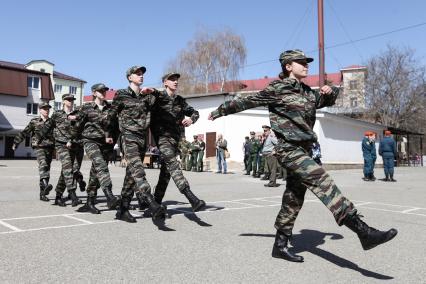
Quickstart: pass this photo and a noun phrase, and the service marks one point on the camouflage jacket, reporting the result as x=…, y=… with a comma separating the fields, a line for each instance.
x=64, y=130
x=292, y=108
x=255, y=146
x=34, y=126
x=184, y=146
x=94, y=121
x=168, y=113
x=132, y=111
x=195, y=146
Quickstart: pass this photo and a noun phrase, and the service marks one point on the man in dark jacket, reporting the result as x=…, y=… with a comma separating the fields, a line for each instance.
x=387, y=149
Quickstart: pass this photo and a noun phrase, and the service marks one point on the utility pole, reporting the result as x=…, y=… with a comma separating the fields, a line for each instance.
x=321, y=43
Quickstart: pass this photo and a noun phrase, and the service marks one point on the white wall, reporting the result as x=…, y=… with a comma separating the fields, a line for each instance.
x=340, y=137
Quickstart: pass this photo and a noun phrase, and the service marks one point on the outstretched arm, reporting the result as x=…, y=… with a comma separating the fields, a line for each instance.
x=262, y=98
x=29, y=129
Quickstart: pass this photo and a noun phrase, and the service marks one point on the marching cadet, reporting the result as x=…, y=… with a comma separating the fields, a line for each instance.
x=93, y=119
x=292, y=108
x=170, y=115
x=43, y=150
x=66, y=134
x=132, y=106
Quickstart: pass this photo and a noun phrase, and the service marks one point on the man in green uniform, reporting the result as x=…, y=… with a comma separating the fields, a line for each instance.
x=292, y=109
x=170, y=115
x=254, y=151
x=43, y=150
x=132, y=107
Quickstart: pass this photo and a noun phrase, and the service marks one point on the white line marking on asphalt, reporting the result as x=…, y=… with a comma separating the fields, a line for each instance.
x=409, y=210
x=182, y=212
x=362, y=203
x=78, y=219
x=243, y=203
x=13, y=228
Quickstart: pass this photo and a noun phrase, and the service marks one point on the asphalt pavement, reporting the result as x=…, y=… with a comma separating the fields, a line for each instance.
x=229, y=242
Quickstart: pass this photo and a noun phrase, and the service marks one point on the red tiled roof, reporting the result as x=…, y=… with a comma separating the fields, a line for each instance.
x=55, y=73
x=259, y=84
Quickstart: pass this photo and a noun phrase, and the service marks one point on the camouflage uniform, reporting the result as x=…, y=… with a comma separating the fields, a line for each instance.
x=167, y=128
x=184, y=154
x=65, y=131
x=133, y=112
x=95, y=123
x=195, y=150
x=292, y=108
x=43, y=150
x=201, y=156
x=254, y=151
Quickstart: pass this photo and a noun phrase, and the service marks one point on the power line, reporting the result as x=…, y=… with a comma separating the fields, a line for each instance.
x=331, y=46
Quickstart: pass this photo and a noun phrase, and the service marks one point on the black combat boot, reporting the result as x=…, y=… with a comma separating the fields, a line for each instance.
x=158, y=211
x=196, y=203
x=123, y=210
x=74, y=199
x=386, y=178
x=141, y=201
x=59, y=201
x=372, y=177
x=89, y=206
x=42, y=187
x=81, y=183
x=112, y=200
x=392, y=179
x=44, y=182
x=280, y=249
x=368, y=236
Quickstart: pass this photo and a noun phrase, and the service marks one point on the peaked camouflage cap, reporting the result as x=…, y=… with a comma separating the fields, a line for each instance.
x=99, y=87
x=169, y=75
x=289, y=56
x=44, y=105
x=134, y=69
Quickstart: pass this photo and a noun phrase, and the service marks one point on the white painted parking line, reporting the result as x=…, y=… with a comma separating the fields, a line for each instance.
x=408, y=211
x=78, y=219
x=13, y=228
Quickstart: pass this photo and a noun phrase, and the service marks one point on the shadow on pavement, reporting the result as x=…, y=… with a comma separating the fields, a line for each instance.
x=309, y=240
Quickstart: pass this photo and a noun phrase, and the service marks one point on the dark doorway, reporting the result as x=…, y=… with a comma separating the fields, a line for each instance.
x=210, y=144
x=8, y=152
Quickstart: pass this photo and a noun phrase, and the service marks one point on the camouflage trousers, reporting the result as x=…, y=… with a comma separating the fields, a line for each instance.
x=71, y=162
x=169, y=167
x=134, y=148
x=99, y=154
x=44, y=159
x=304, y=173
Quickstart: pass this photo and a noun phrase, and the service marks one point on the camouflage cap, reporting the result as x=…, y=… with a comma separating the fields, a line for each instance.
x=44, y=105
x=289, y=56
x=134, y=69
x=68, y=97
x=168, y=75
x=99, y=87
